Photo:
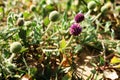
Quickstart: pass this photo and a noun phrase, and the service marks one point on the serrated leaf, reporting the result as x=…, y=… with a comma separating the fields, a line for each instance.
x=101, y=61
x=1, y=9
x=62, y=44
x=115, y=60
x=23, y=49
x=26, y=14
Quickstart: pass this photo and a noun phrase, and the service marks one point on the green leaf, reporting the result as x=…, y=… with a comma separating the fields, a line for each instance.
x=102, y=61
x=26, y=14
x=62, y=44
x=46, y=21
x=1, y=9
x=33, y=70
x=69, y=4
x=115, y=60
x=77, y=48
x=22, y=34
x=66, y=77
x=107, y=25
x=49, y=8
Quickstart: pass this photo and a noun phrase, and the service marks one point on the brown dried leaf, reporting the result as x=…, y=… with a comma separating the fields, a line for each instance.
x=110, y=74
x=26, y=77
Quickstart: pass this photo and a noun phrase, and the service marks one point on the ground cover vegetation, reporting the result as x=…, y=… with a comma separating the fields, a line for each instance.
x=59, y=40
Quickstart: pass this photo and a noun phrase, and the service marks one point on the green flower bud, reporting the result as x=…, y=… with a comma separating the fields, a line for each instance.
x=54, y=16
x=32, y=8
x=15, y=47
x=106, y=7
x=20, y=22
x=91, y=5
x=103, y=8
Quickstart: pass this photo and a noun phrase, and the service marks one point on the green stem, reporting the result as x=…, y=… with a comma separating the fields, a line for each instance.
x=53, y=35
x=69, y=41
x=88, y=13
x=26, y=65
x=49, y=26
x=11, y=57
x=97, y=17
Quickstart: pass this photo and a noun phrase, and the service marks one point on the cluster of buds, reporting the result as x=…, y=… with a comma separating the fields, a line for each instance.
x=75, y=28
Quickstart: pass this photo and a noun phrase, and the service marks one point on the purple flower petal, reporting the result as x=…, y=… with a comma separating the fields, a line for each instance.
x=79, y=17
x=75, y=29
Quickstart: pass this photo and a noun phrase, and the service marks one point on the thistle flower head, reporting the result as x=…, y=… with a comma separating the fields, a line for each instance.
x=75, y=29
x=79, y=17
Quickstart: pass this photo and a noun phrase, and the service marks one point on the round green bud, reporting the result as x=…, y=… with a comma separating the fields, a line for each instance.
x=54, y=16
x=32, y=8
x=15, y=47
x=106, y=7
x=103, y=8
x=91, y=5
x=20, y=22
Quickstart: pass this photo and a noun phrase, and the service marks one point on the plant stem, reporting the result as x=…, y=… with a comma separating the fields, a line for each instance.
x=97, y=17
x=49, y=26
x=11, y=57
x=53, y=34
x=69, y=41
x=104, y=52
x=88, y=13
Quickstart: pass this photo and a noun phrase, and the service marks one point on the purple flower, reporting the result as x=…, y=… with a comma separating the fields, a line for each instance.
x=75, y=29
x=79, y=17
